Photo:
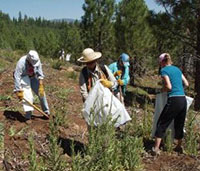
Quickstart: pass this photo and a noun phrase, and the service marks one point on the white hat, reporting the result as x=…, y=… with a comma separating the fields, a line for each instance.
x=33, y=58
x=88, y=55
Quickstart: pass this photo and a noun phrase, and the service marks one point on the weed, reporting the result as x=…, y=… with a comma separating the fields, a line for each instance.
x=57, y=65
x=72, y=75
x=3, y=98
x=192, y=135
x=33, y=165
x=55, y=162
x=168, y=140
x=12, y=131
x=1, y=141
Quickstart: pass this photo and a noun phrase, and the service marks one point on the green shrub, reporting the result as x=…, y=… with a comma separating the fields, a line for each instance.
x=57, y=64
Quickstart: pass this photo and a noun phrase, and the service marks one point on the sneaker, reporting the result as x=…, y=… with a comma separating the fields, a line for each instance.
x=155, y=152
x=178, y=149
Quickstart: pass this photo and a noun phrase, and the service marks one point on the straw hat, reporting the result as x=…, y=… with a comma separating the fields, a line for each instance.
x=33, y=58
x=89, y=55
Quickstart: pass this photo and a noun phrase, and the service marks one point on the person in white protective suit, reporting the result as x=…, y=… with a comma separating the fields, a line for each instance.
x=28, y=77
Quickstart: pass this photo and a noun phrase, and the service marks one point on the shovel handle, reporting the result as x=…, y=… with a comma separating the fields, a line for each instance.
x=35, y=107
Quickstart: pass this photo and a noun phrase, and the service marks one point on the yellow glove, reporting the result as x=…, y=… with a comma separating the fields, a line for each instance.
x=106, y=83
x=120, y=82
x=20, y=95
x=41, y=90
x=118, y=73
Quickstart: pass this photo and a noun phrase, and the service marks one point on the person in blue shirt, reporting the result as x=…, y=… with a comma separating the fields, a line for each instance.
x=175, y=109
x=120, y=69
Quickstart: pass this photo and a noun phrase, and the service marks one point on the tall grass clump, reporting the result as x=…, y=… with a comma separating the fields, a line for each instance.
x=33, y=165
x=131, y=150
x=107, y=150
x=57, y=64
x=191, y=135
x=1, y=141
x=168, y=141
x=55, y=162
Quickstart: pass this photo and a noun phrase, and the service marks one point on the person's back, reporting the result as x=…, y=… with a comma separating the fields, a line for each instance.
x=175, y=76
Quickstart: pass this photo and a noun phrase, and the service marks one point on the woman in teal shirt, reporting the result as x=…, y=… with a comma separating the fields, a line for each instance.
x=175, y=109
x=120, y=69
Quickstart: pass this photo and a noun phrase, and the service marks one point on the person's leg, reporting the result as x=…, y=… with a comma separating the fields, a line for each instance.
x=164, y=121
x=157, y=143
x=28, y=115
x=179, y=122
x=43, y=100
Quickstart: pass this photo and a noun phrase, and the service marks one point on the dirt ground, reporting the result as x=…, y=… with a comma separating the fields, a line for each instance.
x=16, y=147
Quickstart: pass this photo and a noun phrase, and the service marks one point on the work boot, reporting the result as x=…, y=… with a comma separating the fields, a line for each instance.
x=28, y=115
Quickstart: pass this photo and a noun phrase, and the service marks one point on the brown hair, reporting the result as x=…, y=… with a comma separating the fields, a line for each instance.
x=167, y=59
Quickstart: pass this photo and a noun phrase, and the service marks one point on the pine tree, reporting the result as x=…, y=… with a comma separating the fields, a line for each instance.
x=133, y=32
x=186, y=15
x=97, y=25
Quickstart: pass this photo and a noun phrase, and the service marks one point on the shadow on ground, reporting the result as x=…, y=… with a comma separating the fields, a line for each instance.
x=14, y=115
x=67, y=145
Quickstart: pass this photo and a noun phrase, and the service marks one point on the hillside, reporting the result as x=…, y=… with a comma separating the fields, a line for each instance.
x=66, y=104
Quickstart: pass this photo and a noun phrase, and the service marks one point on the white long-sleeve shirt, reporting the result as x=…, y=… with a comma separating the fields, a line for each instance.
x=21, y=70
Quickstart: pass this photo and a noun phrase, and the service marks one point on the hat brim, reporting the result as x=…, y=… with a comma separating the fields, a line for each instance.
x=36, y=64
x=97, y=55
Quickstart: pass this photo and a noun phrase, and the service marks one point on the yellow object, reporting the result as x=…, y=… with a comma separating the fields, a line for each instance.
x=118, y=73
x=37, y=108
x=41, y=90
x=20, y=95
x=120, y=82
x=106, y=83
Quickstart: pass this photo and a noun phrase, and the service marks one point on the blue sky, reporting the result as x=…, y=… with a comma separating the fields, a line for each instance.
x=51, y=9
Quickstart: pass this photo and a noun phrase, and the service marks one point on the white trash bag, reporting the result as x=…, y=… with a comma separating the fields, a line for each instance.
x=101, y=104
x=161, y=100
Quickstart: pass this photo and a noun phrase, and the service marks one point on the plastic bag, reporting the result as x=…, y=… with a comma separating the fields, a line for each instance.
x=161, y=100
x=101, y=104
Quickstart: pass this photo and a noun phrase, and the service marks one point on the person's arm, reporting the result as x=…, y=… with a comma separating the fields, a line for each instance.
x=126, y=76
x=83, y=87
x=185, y=81
x=39, y=72
x=111, y=78
x=167, y=84
x=17, y=76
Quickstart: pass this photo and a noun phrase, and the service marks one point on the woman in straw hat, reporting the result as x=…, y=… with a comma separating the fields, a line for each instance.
x=175, y=109
x=93, y=72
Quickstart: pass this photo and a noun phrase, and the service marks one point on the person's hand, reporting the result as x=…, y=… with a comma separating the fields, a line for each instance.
x=120, y=82
x=20, y=95
x=41, y=90
x=106, y=83
x=118, y=73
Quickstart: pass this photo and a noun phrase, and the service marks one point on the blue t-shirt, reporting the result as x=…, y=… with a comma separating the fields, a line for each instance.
x=175, y=76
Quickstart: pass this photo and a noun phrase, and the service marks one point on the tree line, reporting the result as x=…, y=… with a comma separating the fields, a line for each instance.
x=112, y=28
